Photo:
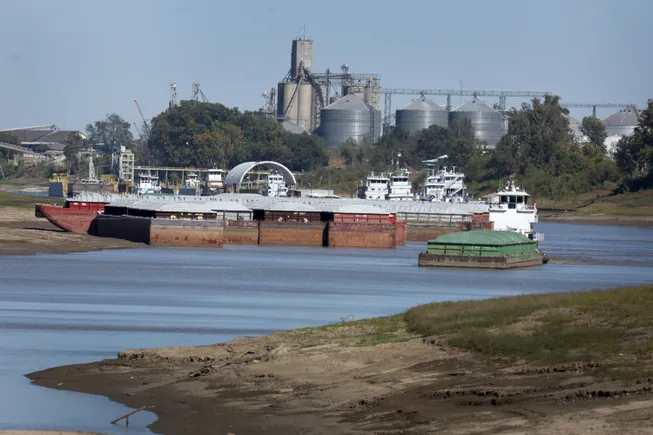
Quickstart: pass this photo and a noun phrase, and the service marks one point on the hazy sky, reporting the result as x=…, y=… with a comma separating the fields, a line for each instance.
x=70, y=62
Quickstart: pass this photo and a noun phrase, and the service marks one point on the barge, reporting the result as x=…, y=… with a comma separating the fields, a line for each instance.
x=482, y=249
x=74, y=216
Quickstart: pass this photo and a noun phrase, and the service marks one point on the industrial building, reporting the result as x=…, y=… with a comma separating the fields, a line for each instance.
x=302, y=95
x=311, y=102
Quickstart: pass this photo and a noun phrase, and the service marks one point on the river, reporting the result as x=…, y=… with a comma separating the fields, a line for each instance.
x=73, y=308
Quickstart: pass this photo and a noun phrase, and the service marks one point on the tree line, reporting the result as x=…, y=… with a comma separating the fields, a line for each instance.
x=539, y=148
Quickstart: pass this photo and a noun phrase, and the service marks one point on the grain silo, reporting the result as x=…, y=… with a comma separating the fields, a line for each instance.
x=421, y=113
x=487, y=122
x=349, y=118
x=622, y=123
x=295, y=103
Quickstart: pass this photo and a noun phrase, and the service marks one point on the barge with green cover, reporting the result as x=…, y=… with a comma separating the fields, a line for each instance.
x=482, y=249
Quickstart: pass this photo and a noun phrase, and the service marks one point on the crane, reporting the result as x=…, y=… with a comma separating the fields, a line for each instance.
x=146, y=127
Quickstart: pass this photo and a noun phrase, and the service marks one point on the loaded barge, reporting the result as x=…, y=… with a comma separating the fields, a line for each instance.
x=512, y=243
x=213, y=224
x=482, y=249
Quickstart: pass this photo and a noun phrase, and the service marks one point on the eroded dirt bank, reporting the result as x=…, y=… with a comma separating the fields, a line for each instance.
x=22, y=233
x=338, y=380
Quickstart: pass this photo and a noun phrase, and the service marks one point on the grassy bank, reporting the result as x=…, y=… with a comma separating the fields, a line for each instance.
x=610, y=327
x=637, y=205
x=24, y=201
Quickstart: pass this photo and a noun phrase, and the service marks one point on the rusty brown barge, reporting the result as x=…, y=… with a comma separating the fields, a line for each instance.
x=247, y=219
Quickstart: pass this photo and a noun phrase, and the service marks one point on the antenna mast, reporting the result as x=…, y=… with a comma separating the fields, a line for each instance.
x=198, y=93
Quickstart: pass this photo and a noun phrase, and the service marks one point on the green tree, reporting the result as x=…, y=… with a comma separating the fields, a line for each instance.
x=396, y=141
x=634, y=154
x=307, y=151
x=593, y=128
x=110, y=132
x=206, y=134
x=540, y=148
x=74, y=144
x=459, y=143
x=539, y=130
x=351, y=152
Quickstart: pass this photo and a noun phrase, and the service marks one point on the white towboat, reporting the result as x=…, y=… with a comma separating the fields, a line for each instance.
x=275, y=185
x=376, y=186
x=444, y=186
x=148, y=182
x=400, y=188
x=215, y=180
x=510, y=210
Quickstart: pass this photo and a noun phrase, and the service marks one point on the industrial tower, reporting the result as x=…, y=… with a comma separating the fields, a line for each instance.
x=302, y=93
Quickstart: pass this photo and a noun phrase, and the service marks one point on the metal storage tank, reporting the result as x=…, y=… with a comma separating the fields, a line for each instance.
x=421, y=113
x=304, y=99
x=487, y=122
x=284, y=97
x=349, y=118
x=622, y=123
x=300, y=108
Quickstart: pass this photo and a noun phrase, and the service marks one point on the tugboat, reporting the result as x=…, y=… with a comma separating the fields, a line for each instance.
x=444, y=186
x=400, y=188
x=191, y=185
x=215, y=180
x=376, y=186
x=510, y=210
x=148, y=183
x=275, y=185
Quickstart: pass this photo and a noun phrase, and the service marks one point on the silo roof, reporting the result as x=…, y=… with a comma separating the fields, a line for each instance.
x=485, y=238
x=422, y=104
x=349, y=102
x=623, y=118
x=474, y=106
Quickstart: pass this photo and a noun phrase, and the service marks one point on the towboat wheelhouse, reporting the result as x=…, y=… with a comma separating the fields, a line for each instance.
x=510, y=210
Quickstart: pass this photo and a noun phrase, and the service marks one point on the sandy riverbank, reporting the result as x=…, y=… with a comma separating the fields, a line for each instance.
x=372, y=377
x=22, y=233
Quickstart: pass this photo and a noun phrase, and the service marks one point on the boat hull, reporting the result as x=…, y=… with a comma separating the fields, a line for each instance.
x=68, y=219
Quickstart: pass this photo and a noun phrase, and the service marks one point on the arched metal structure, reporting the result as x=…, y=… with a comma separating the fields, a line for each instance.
x=236, y=175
